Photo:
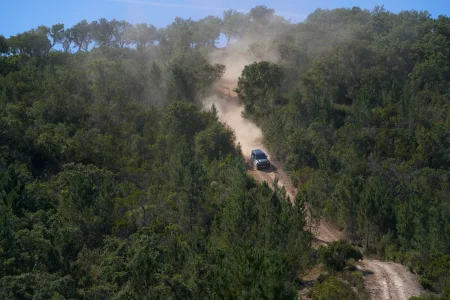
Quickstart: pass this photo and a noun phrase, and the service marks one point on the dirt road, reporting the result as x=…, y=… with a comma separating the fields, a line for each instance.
x=383, y=280
x=387, y=280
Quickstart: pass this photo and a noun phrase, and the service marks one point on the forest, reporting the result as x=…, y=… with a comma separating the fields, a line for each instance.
x=115, y=182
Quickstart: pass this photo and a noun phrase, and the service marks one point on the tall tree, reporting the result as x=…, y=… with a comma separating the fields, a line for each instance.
x=103, y=32
x=207, y=31
x=120, y=32
x=261, y=14
x=57, y=34
x=233, y=25
x=143, y=35
x=33, y=42
x=81, y=35
x=180, y=35
x=3, y=45
x=258, y=87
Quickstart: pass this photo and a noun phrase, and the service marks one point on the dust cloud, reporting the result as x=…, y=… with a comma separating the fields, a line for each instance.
x=235, y=58
x=247, y=134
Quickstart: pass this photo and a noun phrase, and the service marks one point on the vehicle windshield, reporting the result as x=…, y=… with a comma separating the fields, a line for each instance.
x=260, y=156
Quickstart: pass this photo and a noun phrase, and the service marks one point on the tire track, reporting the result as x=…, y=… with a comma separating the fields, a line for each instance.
x=387, y=280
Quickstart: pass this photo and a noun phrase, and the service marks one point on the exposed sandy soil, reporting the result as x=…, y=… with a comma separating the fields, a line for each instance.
x=383, y=280
x=387, y=280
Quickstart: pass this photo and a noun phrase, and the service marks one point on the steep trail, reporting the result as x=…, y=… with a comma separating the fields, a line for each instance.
x=383, y=280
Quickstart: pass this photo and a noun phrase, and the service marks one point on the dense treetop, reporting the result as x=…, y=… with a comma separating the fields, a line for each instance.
x=114, y=184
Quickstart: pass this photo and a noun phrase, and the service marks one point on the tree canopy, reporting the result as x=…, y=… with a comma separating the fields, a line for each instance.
x=359, y=114
x=114, y=183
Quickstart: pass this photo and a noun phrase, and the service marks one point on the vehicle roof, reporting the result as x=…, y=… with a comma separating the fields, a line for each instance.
x=258, y=151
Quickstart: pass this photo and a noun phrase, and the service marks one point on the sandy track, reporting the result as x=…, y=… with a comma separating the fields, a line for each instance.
x=383, y=280
x=387, y=280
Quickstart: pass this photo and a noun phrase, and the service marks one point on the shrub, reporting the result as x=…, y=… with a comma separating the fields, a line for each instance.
x=336, y=254
x=333, y=289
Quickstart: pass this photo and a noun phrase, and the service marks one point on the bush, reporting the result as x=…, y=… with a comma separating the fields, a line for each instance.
x=356, y=279
x=336, y=254
x=333, y=288
x=426, y=283
x=351, y=265
x=437, y=273
x=414, y=260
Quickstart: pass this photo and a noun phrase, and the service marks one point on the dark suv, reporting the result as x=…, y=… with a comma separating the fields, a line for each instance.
x=258, y=160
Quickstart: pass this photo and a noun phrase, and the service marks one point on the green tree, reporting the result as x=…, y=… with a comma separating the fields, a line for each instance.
x=261, y=13
x=102, y=32
x=121, y=28
x=207, y=31
x=3, y=45
x=143, y=35
x=259, y=87
x=86, y=200
x=33, y=43
x=81, y=35
x=234, y=24
x=213, y=141
x=56, y=33
x=333, y=288
x=336, y=254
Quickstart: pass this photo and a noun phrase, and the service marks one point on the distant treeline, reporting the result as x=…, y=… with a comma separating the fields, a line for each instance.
x=182, y=34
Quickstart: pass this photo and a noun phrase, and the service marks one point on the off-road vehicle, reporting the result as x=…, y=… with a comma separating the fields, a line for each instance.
x=259, y=160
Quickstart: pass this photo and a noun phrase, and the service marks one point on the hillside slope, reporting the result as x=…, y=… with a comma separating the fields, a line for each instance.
x=383, y=280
